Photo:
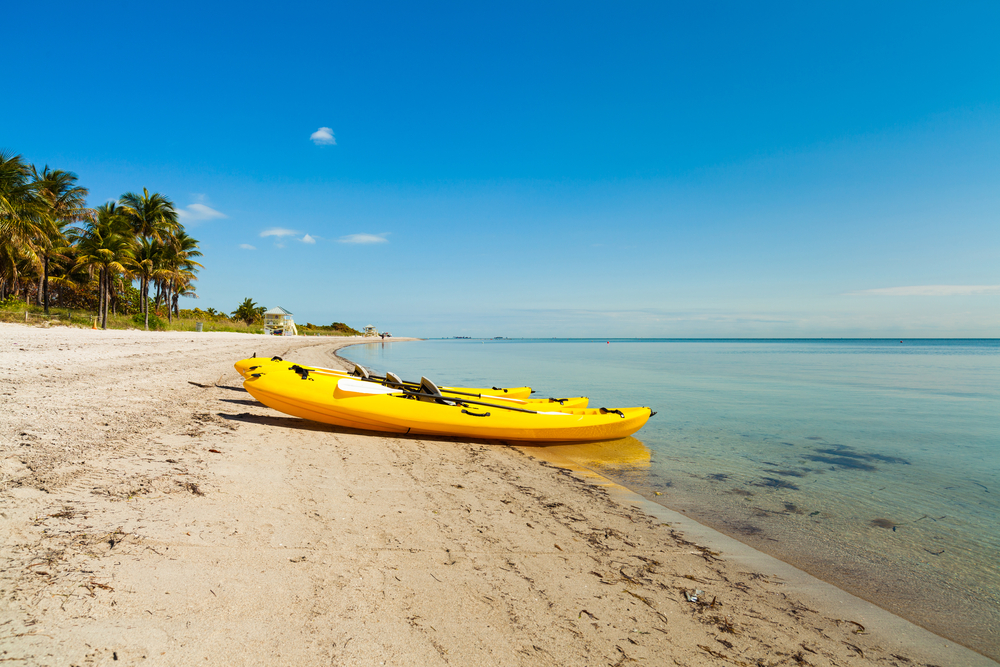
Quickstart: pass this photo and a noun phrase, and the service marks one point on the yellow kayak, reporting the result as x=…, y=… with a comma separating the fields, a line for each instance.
x=256, y=364
x=369, y=406
x=326, y=375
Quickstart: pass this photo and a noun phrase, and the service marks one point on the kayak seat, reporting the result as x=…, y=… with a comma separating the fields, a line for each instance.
x=361, y=372
x=392, y=377
x=428, y=387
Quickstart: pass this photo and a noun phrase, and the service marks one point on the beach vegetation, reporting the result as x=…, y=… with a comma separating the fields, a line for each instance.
x=59, y=203
x=249, y=312
x=335, y=329
x=149, y=321
x=123, y=264
x=153, y=222
x=56, y=252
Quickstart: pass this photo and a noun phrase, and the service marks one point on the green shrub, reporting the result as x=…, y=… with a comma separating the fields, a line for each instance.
x=155, y=323
x=12, y=300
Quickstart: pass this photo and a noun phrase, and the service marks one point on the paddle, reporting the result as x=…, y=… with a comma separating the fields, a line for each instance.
x=403, y=384
x=604, y=411
x=419, y=394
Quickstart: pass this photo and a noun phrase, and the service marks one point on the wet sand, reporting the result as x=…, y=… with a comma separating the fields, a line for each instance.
x=152, y=511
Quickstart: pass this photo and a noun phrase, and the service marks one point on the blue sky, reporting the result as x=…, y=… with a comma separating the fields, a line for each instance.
x=546, y=169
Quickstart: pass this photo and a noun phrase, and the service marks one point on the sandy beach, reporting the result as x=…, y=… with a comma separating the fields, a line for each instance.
x=153, y=512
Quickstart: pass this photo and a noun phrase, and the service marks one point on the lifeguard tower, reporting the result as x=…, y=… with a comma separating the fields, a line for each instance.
x=278, y=322
x=371, y=331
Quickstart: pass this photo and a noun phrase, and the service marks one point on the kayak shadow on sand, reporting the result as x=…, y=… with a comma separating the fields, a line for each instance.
x=216, y=386
x=242, y=401
x=299, y=424
x=282, y=422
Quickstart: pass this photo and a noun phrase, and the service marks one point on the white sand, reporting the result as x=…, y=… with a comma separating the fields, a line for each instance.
x=153, y=512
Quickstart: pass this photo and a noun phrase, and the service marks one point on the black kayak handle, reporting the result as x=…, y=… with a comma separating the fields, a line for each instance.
x=605, y=411
x=476, y=414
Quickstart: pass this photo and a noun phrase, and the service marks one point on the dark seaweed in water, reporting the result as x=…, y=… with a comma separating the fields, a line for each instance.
x=718, y=477
x=793, y=508
x=741, y=492
x=788, y=473
x=845, y=457
x=772, y=483
x=883, y=523
x=843, y=462
x=841, y=450
x=746, y=528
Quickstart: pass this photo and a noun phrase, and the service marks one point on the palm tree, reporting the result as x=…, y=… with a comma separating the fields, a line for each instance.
x=106, y=244
x=179, y=267
x=151, y=217
x=184, y=287
x=148, y=267
x=19, y=206
x=61, y=202
x=249, y=311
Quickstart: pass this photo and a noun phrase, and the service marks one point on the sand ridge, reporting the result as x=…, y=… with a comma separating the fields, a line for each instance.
x=153, y=512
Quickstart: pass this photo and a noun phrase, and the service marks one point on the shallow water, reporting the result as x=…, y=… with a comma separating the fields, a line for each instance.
x=874, y=465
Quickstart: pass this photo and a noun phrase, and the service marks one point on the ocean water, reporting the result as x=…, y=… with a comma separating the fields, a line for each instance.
x=871, y=464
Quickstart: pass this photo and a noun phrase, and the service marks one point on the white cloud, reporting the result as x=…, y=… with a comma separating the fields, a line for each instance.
x=247, y=246
x=308, y=239
x=364, y=238
x=278, y=231
x=930, y=290
x=323, y=137
x=199, y=212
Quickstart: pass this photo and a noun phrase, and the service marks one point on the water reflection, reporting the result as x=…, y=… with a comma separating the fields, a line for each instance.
x=622, y=455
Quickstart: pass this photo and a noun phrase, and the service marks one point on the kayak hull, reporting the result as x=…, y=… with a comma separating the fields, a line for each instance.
x=396, y=413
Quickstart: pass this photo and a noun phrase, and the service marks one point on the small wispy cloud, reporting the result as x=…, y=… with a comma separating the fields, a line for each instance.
x=308, y=239
x=199, y=211
x=364, y=238
x=929, y=290
x=323, y=137
x=247, y=246
x=278, y=231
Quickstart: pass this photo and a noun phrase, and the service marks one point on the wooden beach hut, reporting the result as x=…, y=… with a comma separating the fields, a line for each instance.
x=371, y=331
x=278, y=322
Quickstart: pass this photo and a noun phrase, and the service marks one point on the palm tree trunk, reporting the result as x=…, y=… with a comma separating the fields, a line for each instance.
x=100, y=293
x=102, y=288
x=170, y=287
x=45, y=285
x=145, y=301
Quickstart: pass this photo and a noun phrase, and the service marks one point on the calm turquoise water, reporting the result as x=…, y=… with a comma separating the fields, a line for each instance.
x=874, y=465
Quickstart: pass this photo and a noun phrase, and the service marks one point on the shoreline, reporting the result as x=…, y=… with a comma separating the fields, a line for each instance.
x=900, y=633
x=157, y=512
x=824, y=592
